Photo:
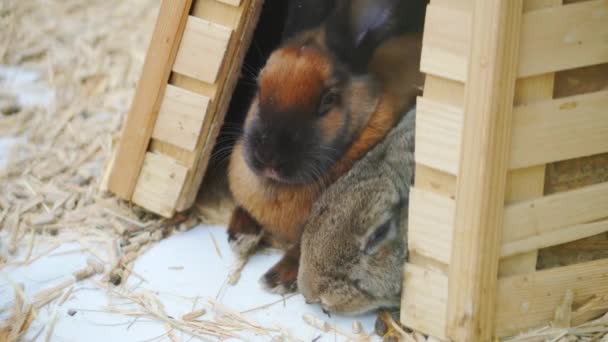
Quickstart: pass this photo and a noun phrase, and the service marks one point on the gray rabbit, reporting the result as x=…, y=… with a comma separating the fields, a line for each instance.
x=354, y=242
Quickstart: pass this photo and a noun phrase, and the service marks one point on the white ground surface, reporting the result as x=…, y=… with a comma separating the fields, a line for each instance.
x=185, y=270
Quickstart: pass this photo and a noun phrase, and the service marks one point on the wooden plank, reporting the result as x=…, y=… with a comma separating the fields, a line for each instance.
x=160, y=184
x=532, y=5
x=180, y=118
x=180, y=155
x=553, y=237
x=559, y=129
x=219, y=12
x=533, y=224
x=545, y=214
x=480, y=190
x=140, y=121
x=424, y=302
x=466, y=5
x=577, y=31
x=229, y=77
x=202, y=50
x=435, y=181
x=430, y=225
x=444, y=90
x=543, y=132
x=232, y=2
x=438, y=135
x=446, y=42
x=530, y=300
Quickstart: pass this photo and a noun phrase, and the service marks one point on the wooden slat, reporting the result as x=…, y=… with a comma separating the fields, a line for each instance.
x=142, y=116
x=543, y=132
x=523, y=301
x=218, y=12
x=423, y=305
x=180, y=155
x=444, y=90
x=160, y=184
x=435, y=181
x=229, y=76
x=553, y=237
x=202, y=50
x=537, y=223
x=577, y=32
x=480, y=190
x=455, y=4
x=559, y=129
x=430, y=225
x=530, y=300
x=180, y=118
x=438, y=135
x=548, y=213
x=446, y=42
x=231, y=2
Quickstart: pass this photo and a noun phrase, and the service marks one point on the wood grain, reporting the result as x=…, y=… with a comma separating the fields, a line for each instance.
x=577, y=31
x=202, y=50
x=424, y=306
x=560, y=129
x=160, y=184
x=480, y=190
x=530, y=300
x=180, y=118
x=141, y=119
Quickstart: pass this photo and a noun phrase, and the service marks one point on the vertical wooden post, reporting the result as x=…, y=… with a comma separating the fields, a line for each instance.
x=140, y=121
x=480, y=189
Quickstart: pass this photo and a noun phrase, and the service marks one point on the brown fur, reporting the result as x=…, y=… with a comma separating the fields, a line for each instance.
x=292, y=78
x=282, y=209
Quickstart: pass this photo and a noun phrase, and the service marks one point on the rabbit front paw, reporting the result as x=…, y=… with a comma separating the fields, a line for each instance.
x=244, y=233
x=282, y=277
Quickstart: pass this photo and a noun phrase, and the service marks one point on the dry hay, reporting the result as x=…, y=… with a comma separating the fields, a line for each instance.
x=89, y=54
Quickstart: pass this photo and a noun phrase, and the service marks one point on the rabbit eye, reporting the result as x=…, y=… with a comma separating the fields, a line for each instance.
x=328, y=100
x=379, y=235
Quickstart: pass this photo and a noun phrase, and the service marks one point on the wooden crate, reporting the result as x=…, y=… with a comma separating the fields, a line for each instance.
x=515, y=94
x=190, y=71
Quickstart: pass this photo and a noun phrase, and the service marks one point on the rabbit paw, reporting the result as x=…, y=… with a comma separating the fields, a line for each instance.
x=244, y=233
x=244, y=244
x=282, y=277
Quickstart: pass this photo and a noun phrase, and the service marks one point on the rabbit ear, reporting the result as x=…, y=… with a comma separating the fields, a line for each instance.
x=368, y=16
x=356, y=28
x=379, y=235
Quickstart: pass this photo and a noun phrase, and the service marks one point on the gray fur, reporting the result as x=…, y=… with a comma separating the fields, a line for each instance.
x=335, y=268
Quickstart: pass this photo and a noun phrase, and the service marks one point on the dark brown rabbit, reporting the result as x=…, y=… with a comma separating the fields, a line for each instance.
x=325, y=97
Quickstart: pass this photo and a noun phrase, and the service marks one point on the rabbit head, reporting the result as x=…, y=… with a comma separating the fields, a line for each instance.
x=315, y=95
x=353, y=246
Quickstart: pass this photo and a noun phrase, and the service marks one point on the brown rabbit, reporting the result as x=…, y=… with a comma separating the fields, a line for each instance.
x=353, y=245
x=325, y=97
